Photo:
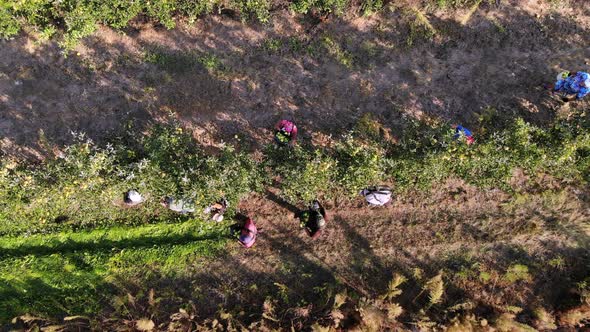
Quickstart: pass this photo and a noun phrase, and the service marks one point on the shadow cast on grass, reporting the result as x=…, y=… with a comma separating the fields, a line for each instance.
x=104, y=245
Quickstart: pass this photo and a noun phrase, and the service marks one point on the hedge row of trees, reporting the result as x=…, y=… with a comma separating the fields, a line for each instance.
x=81, y=185
x=71, y=20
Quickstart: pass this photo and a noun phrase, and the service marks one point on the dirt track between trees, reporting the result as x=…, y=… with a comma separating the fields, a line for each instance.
x=323, y=76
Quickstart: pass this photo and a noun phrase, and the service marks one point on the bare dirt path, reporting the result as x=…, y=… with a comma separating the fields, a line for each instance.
x=458, y=229
x=324, y=76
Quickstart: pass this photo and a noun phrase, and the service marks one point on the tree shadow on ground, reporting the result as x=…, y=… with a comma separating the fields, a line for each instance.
x=221, y=80
x=104, y=245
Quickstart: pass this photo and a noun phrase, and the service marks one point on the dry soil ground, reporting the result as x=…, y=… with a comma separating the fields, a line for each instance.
x=323, y=75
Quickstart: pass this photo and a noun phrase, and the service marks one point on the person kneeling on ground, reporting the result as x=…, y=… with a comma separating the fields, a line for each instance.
x=217, y=210
x=182, y=205
x=314, y=219
x=132, y=198
x=461, y=131
x=247, y=233
x=571, y=85
x=285, y=132
x=377, y=195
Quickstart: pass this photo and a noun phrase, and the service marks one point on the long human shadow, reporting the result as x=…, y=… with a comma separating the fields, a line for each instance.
x=278, y=200
x=71, y=245
x=378, y=274
x=35, y=296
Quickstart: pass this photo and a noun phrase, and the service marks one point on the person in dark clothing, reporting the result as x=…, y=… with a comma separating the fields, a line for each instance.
x=313, y=220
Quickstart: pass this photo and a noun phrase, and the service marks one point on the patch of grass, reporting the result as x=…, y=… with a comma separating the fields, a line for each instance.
x=370, y=7
x=517, y=272
x=499, y=27
x=419, y=27
x=447, y=4
x=485, y=277
x=296, y=44
x=557, y=263
x=253, y=9
x=583, y=288
x=323, y=6
x=333, y=48
x=211, y=62
x=117, y=237
x=272, y=45
x=182, y=62
x=174, y=62
x=76, y=273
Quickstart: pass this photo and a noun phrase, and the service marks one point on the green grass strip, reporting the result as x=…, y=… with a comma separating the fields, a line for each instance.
x=69, y=273
x=118, y=237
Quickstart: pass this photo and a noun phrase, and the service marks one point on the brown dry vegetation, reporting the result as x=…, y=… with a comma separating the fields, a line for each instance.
x=504, y=259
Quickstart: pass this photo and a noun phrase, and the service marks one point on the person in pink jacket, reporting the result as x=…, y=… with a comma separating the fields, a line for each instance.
x=285, y=132
x=248, y=234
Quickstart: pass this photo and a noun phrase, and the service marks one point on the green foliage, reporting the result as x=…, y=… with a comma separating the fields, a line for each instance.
x=76, y=19
x=76, y=273
x=305, y=174
x=173, y=62
x=557, y=262
x=427, y=154
x=253, y=9
x=324, y=6
x=117, y=13
x=272, y=45
x=583, y=289
x=314, y=178
x=337, y=52
x=369, y=7
x=302, y=173
x=485, y=276
x=182, y=62
x=161, y=11
x=80, y=22
x=82, y=187
x=419, y=27
x=211, y=62
x=9, y=25
x=232, y=175
x=78, y=189
x=359, y=165
x=66, y=234
x=193, y=9
x=517, y=272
